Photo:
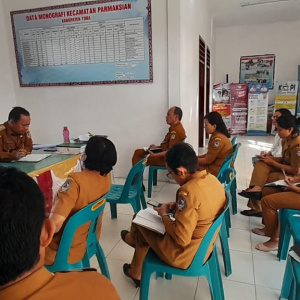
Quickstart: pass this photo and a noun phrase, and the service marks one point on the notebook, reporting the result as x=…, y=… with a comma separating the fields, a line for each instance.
x=33, y=157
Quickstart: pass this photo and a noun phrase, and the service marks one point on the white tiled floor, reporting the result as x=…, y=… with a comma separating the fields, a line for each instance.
x=255, y=275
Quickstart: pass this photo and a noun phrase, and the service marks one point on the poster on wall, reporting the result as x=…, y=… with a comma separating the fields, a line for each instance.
x=257, y=69
x=286, y=96
x=258, y=95
x=221, y=102
x=97, y=42
x=239, y=107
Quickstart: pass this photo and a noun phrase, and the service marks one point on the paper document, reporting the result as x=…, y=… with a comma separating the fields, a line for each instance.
x=150, y=219
x=33, y=157
x=280, y=183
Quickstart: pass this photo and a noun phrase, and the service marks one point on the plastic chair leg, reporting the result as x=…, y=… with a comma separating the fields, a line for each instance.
x=286, y=288
x=150, y=182
x=102, y=262
x=145, y=283
x=227, y=221
x=143, y=200
x=233, y=197
x=113, y=210
x=155, y=177
x=284, y=235
x=225, y=249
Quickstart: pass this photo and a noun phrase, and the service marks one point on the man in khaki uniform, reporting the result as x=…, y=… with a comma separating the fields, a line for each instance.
x=15, y=138
x=199, y=201
x=80, y=190
x=175, y=135
x=27, y=233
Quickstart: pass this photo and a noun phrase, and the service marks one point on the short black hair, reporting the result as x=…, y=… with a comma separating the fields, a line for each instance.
x=214, y=118
x=178, y=112
x=287, y=122
x=16, y=112
x=182, y=155
x=284, y=111
x=22, y=213
x=101, y=155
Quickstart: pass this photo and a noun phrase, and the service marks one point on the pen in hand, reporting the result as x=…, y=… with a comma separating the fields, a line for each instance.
x=283, y=173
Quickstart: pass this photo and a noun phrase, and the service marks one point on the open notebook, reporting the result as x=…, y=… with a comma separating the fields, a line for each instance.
x=33, y=157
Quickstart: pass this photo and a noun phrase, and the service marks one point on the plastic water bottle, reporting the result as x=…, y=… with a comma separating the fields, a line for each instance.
x=66, y=134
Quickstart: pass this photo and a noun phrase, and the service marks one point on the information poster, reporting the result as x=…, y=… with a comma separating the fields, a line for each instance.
x=96, y=42
x=221, y=102
x=258, y=95
x=286, y=96
x=257, y=69
x=239, y=107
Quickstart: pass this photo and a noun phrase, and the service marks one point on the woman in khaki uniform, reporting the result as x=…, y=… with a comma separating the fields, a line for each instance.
x=194, y=212
x=290, y=198
x=270, y=169
x=79, y=190
x=219, y=146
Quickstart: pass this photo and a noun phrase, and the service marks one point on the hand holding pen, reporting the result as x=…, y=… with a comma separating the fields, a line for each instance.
x=21, y=153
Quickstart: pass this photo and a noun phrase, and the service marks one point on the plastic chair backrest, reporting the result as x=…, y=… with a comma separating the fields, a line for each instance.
x=236, y=148
x=203, y=248
x=233, y=140
x=226, y=177
x=134, y=178
x=89, y=213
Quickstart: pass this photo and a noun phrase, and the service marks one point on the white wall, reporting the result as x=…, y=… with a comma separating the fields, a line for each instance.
x=279, y=38
x=7, y=95
x=132, y=115
x=194, y=20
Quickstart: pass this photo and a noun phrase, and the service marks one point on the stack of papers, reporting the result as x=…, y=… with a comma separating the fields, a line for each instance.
x=33, y=157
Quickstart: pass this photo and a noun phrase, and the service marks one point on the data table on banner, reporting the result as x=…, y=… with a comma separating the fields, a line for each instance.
x=60, y=164
x=84, y=43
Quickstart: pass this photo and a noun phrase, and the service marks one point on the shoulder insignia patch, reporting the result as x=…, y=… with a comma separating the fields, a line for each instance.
x=66, y=186
x=183, y=193
x=173, y=135
x=181, y=202
x=2, y=127
x=28, y=135
x=298, y=153
x=216, y=143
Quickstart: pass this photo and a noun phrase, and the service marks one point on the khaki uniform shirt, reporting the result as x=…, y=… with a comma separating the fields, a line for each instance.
x=219, y=147
x=11, y=143
x=78, y=191
x=87, y=284
x=291, y=151
x=199, y=202
x=175, y=135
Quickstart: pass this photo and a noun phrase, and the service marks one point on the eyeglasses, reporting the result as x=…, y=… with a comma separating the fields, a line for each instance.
x=169, y=175
x=275, y=117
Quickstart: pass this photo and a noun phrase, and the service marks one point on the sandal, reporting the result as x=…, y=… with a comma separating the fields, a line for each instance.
x=251, y=195
x=126, y=267
x=251, y=213
x=262, y=247
x=258, y=231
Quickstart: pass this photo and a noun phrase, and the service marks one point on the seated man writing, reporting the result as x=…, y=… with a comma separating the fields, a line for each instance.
x=15, y=138
x=199, y=201
x=27, y=233
x=175, y=135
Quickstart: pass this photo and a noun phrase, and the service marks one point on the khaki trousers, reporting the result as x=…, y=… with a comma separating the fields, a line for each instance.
x=270, y=206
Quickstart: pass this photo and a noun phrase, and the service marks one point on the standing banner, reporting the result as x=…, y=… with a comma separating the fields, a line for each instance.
x=221, y=102
x=239, y=107
x=286, y=96
x=258, y=95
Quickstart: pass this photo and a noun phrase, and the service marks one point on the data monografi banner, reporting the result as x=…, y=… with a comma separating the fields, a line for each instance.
x=101, y=42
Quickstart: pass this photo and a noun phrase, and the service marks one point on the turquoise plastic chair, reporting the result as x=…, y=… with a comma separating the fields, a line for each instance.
x=226, y=178
x=233, y=140
x=291, y=279
x=131, y=192
x=285, y=231
x=210, y=269
x=152, y=177
x=90, y=213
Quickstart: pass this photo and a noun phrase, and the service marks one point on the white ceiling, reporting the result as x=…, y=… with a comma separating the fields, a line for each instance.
x=230, y=13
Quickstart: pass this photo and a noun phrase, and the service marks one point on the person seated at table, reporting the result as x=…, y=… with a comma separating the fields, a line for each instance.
x=290, y=198
x=79, y=190
x=219, y=145
x=24, y=235
x=276, y=149
x=15, y=138
x=194, y=212
x=175, y=135
x=270, y=169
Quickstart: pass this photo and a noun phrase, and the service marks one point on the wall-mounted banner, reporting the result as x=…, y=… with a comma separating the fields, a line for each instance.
x=221, y=102
x=257, y=69
x=97, y=42
x=239, y=107
x=258, y=95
